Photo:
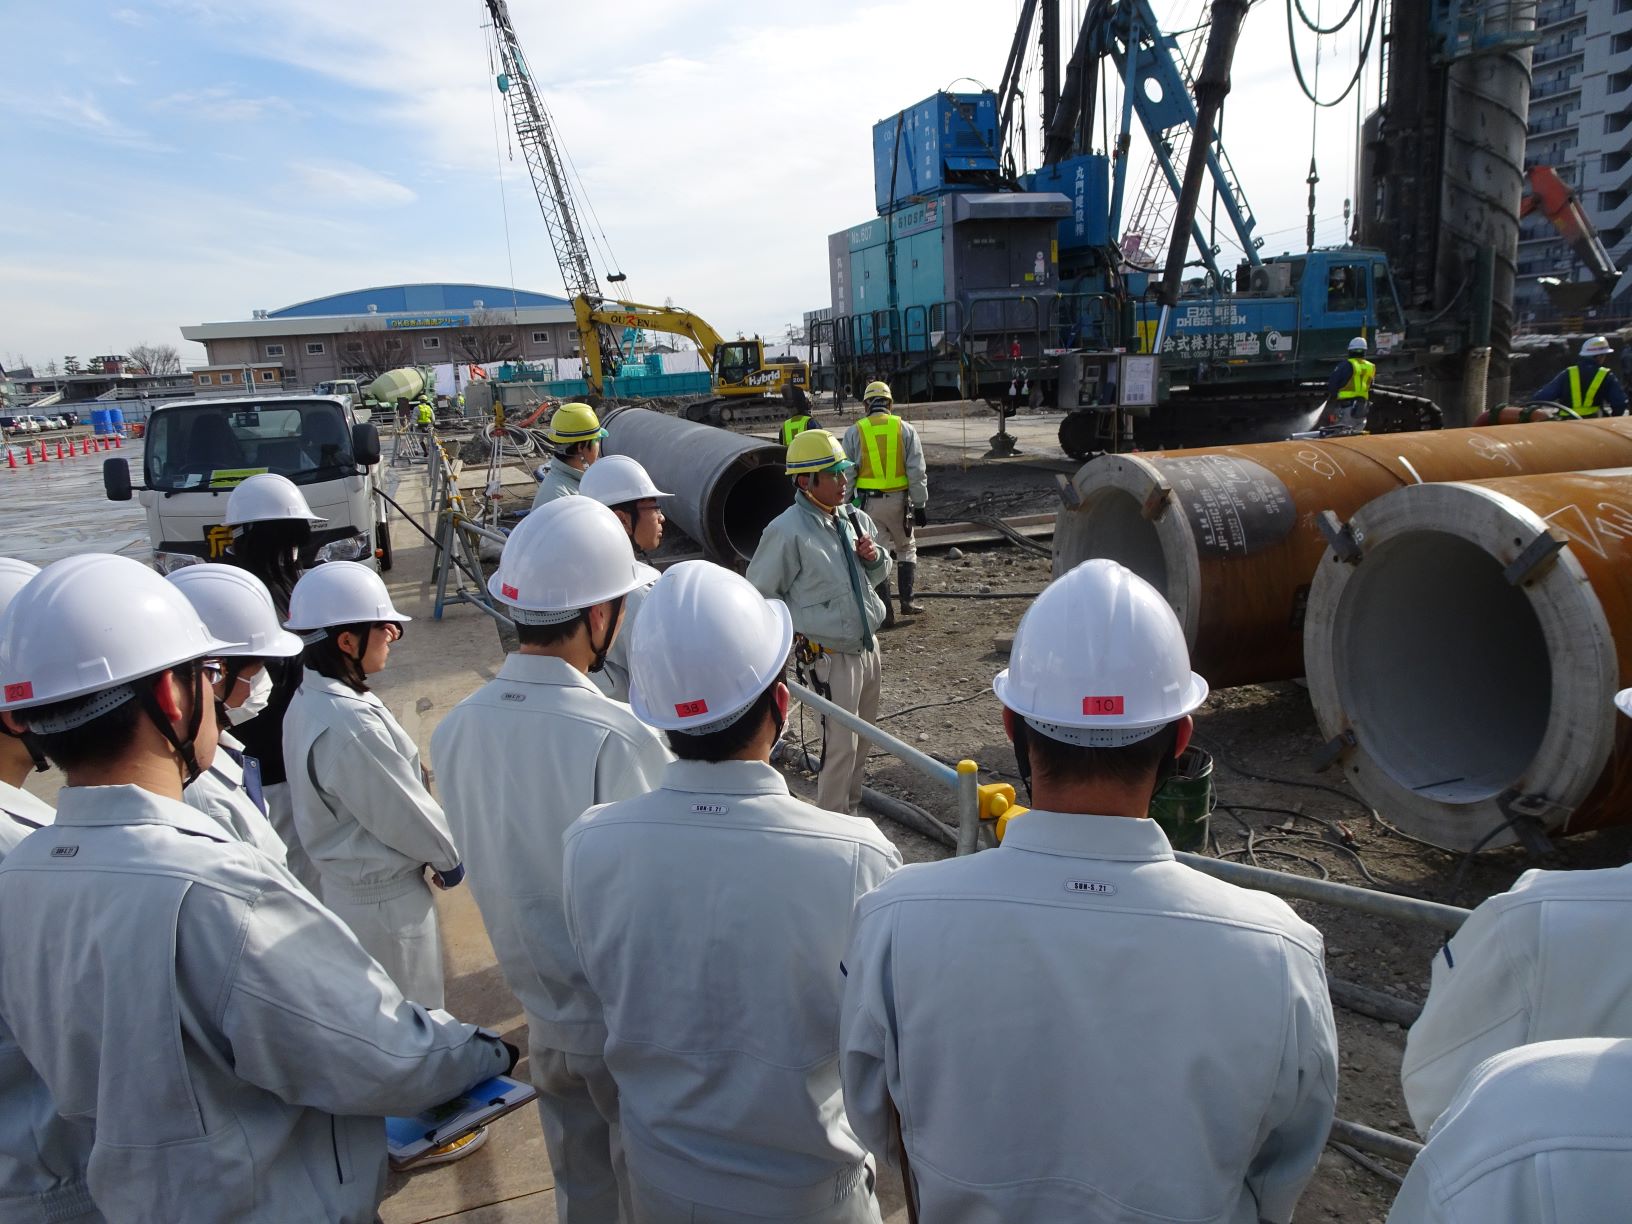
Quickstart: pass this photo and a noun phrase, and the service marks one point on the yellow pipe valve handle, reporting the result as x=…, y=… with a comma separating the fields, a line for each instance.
x=997, y=803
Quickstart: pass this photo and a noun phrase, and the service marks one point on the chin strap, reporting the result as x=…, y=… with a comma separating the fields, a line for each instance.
x=1022, y=753
x=185, y=748
x=611, y=633
x=31, y=742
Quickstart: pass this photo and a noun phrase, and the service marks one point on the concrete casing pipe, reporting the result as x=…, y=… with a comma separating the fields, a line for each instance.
x=727, y=487
x=1472, y=646
x=1231, y=535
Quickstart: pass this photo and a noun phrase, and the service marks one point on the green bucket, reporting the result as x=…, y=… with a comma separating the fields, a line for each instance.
x=1182, y=803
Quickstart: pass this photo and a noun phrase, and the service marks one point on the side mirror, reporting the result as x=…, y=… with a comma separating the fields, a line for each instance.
x=365, y=444
x=116, y=479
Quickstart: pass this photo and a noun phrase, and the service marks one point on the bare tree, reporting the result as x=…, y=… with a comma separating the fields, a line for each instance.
x=367, y=352
x=50, y=370
x=156, y=358
x=491, y=336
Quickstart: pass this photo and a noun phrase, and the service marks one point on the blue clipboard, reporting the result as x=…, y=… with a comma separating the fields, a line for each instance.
x=410, y=1140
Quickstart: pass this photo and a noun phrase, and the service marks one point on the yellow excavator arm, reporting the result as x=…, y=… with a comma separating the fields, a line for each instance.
x=614, y=314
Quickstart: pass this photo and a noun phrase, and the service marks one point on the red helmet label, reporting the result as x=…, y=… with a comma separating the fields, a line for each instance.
x=690, y=709
x=508, y=591
x=20, y=692
x=1102, y=705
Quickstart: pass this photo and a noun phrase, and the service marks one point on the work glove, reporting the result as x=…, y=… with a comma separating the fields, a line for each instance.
x=920, y=516
x=451, y=878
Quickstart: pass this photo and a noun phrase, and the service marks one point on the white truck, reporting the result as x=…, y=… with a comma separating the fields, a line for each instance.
x=197, y=450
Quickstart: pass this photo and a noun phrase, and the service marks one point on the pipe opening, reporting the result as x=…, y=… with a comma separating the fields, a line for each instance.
x=1116, y=529
x=748, y=496
x=1443, y=667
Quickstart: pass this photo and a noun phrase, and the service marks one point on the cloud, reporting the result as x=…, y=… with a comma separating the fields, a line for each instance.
x=353, y=184
x=82, y=113
x=222, y=104
x=130, y=17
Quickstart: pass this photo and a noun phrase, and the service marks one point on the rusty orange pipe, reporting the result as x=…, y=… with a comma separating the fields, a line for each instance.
x=1466, y=655
x=1231, y=535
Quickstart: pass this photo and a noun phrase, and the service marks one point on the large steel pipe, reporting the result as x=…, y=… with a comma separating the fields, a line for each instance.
x=726, y=486
x=1231, y=535
x=1465, y=656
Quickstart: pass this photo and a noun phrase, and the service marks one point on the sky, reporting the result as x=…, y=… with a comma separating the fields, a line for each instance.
x=186, y=161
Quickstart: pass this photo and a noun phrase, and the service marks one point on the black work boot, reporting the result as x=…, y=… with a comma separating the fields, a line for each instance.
x=908, y=572
x=883, y=590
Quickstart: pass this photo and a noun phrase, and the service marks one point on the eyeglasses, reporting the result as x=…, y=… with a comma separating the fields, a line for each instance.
x=214, y=671
x=393, y=630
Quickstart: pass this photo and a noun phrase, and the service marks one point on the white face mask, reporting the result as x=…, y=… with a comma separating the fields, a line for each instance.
x=260, y=693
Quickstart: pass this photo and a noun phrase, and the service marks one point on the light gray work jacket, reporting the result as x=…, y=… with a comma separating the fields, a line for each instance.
x=361, y=808
x=710, y=917
x=1530, y=964
x=560, y=480
x=517, y=762
x=43, y=1157
x=804, y=559
x=219, y=793
x=1074, y=1026
x=228, y=1038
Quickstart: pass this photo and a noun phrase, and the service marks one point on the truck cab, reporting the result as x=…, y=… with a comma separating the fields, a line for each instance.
x=197, y=451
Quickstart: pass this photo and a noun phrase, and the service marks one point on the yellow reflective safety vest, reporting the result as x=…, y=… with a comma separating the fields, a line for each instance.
x=1583, y=404
x=425, y=414
x=793, y=427
x=1359, y=381
x=883, y=462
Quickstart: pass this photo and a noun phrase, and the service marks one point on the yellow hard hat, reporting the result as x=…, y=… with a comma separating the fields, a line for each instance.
x=814, y=451
x=574, y=423
x=877, y=390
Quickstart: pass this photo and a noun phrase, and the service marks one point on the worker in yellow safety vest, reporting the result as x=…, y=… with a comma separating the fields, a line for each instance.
x=794, y=426
x=424, y=415
x=892, y=485
x=1587, y=385
x=1350, y=381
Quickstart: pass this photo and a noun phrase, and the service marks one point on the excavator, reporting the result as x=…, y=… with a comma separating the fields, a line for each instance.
x=746, y=385
x=1550, y=195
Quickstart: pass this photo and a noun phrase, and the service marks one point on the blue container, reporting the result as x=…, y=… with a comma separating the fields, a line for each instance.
x=944, y=143
x=1085, y=181
x=116, y=420
x=99, y=420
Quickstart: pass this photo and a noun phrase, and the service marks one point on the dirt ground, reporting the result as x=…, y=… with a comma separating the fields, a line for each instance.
x=938, y=669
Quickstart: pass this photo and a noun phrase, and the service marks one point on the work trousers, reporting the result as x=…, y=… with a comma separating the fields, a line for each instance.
x=894, y=518
x=578, y=1106
x=1353, y=412
x=400, y=932
x=653, y=1206
x=855, y=681
x=280, y=810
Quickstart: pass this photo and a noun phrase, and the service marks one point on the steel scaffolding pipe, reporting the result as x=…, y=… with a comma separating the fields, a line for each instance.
x=1464, y=644
x=726, y=486
x=1232, y=535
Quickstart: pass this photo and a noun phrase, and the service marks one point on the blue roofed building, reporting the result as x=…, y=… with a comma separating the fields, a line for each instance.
x=361, y=331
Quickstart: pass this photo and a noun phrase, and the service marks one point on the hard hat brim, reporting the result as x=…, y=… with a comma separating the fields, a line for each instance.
x=1195, y=694
x=1623, y=701
x=669, y=722
x=215, y=648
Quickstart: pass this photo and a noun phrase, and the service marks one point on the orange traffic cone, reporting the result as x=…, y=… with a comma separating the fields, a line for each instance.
x=59, y=448
x=118, y=442
x=28, y=456
x=43, y=456
x=11, y=457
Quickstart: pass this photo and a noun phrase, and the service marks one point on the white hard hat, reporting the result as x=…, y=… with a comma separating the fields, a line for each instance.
x=1598, y=346
x=706, y=644
x=1623, y=701
x=267, y=497
x=14, y=576
x=1358, y=345
x=91, y=624
x=340, y=593
x=568, y=555
x=237, y=607
x=613, y=480
x=1099, y=660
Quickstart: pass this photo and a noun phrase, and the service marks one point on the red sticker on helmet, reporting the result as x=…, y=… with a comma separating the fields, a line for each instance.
x=1102, y=705
x=508, y=591
x=690, y=709
x=20, y=692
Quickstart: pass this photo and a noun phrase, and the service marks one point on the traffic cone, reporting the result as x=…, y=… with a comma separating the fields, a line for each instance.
x=44, y=458
x=11, y=457
x=28, y=456
x=118, y=442
x=59, y=448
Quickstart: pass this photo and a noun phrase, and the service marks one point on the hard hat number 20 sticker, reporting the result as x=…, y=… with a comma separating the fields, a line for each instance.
x=1102, y=705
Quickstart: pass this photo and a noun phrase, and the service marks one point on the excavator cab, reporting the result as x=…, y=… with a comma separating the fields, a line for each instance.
x=735, y=362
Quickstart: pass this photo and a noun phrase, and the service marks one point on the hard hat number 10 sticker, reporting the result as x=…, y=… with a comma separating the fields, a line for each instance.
x=690, y=709
x=1102, y=705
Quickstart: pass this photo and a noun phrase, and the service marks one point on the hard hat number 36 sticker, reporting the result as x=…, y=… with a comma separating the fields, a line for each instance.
x=1102, y=705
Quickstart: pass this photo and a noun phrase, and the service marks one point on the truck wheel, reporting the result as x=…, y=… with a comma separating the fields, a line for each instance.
x=382, y=545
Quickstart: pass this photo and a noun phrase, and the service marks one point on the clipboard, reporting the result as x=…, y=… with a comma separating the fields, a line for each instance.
x=410, y=1140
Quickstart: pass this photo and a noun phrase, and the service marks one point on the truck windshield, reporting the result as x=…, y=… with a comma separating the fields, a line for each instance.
x=214, y=446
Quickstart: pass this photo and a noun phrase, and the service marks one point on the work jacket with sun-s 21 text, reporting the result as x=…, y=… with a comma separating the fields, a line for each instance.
x=226, y=1037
